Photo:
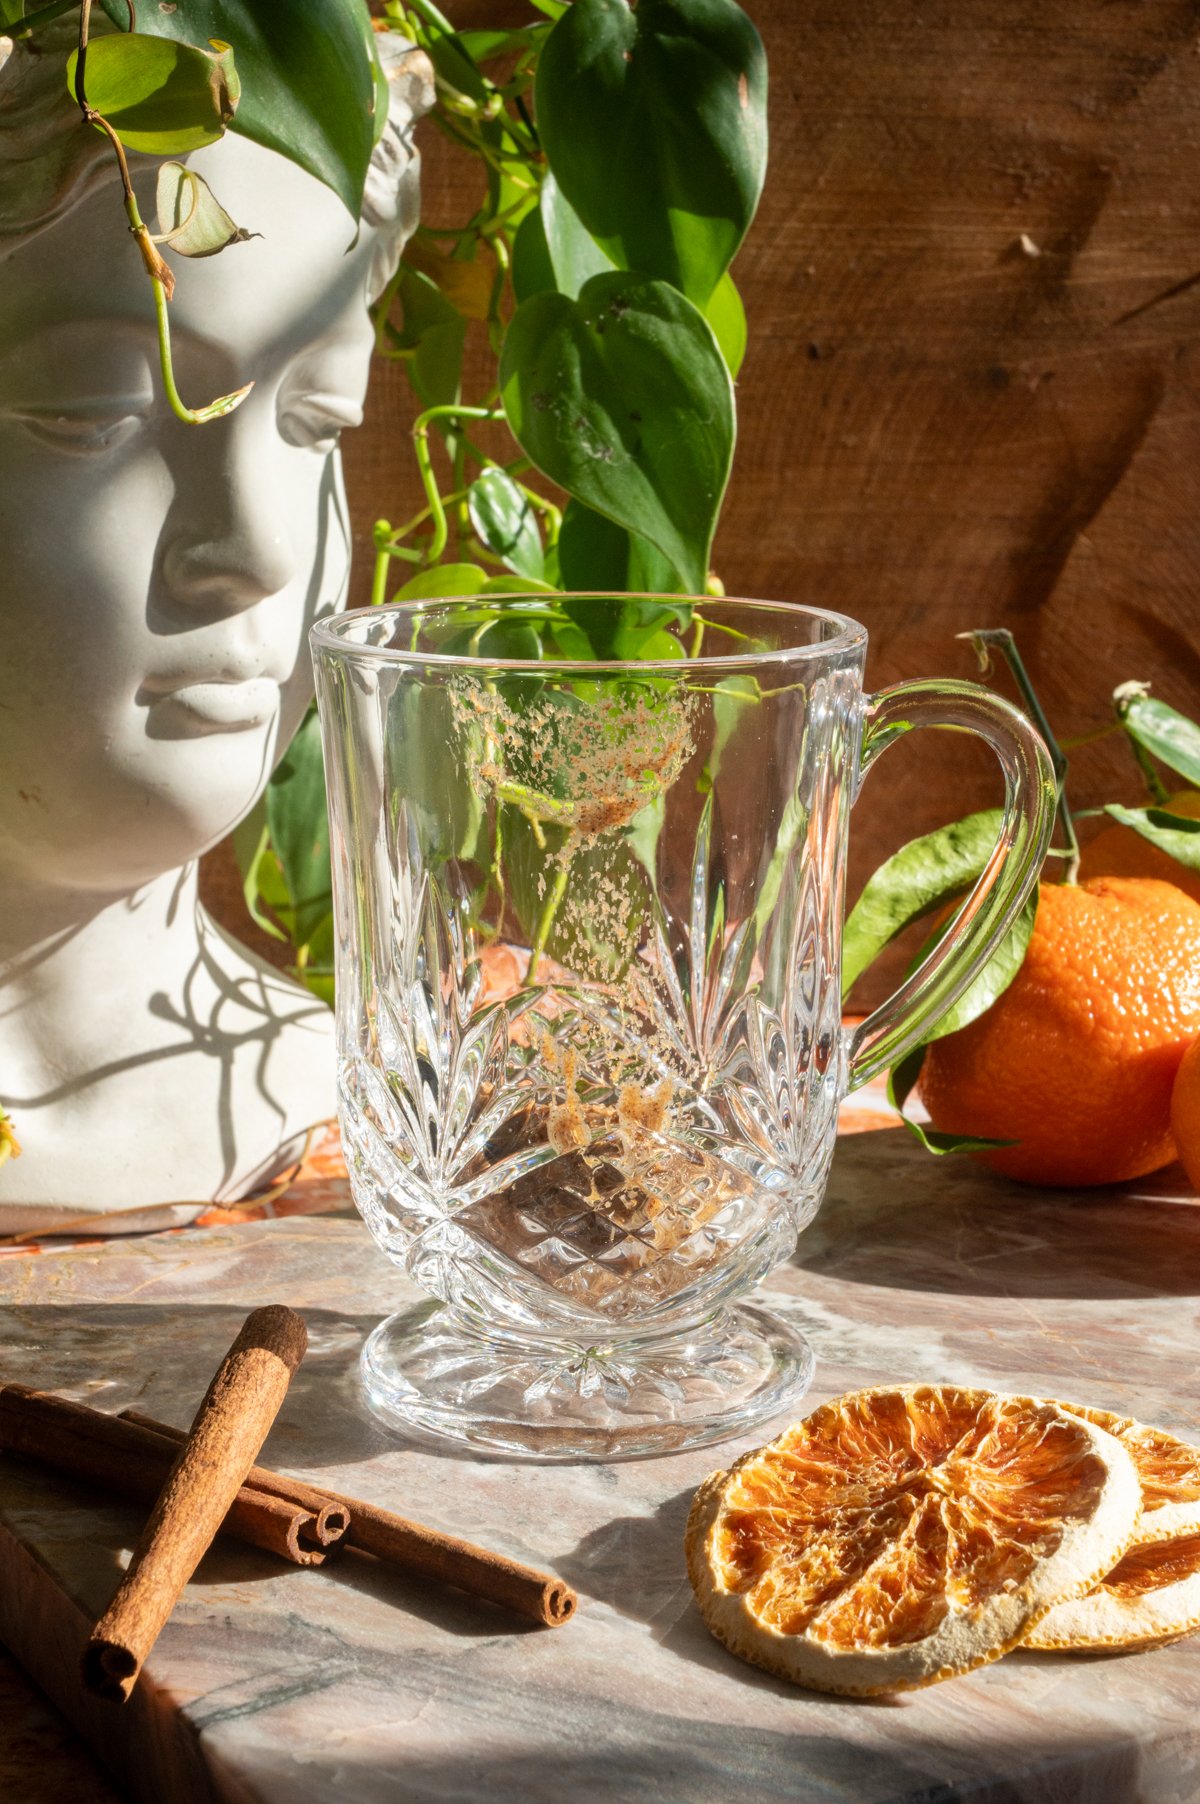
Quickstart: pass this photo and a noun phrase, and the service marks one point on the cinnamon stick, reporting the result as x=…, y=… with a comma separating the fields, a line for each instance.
x=416, y=1548
x=230, y=1426
x=134, y=1460
x=330, y=1515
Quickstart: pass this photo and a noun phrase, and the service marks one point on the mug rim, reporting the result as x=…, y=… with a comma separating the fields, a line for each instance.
x=331, y=634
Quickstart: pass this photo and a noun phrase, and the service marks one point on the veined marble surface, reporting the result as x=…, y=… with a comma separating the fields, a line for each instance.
x=354, y=1684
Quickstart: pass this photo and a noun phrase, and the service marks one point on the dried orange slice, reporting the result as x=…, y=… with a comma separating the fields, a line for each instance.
x=1153, y=1593
x=901, y=1535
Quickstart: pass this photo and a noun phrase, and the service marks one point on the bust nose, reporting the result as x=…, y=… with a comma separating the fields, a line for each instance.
x=228, y=541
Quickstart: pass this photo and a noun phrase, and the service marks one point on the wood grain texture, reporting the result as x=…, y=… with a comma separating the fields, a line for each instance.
x=971, y=394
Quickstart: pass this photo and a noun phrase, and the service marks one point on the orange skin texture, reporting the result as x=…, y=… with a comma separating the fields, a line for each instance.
x=1120, y=852
x=1185, y=1113
x=1077, y=1059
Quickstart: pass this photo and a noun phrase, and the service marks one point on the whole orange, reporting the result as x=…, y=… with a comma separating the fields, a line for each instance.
x=1076, y=1060
x=1185, y=1113
x=1120, y=852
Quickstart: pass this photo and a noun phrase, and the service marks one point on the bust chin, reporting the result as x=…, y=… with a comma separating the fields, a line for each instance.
x=157, y=588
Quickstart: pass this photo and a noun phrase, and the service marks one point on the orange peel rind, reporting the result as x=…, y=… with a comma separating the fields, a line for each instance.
x=904, y=1534
x=1152, y=1595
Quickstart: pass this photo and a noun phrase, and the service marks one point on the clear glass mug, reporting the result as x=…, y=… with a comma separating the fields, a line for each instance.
x=588, y=913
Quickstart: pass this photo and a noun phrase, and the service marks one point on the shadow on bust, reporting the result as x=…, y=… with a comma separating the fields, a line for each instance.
x=159, y=582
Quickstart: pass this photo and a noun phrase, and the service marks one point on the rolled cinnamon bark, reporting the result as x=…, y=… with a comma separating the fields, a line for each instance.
x=231, y=1425
x=134, y=1461
x=330, y=1516
x=416, y=1548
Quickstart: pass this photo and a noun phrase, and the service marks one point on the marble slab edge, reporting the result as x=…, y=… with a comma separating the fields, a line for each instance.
x=147, y=1743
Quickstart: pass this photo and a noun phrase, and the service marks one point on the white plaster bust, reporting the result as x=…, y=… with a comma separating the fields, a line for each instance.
x=157, y=583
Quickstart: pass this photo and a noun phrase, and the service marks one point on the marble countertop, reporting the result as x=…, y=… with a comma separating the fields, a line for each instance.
x=278, y=1686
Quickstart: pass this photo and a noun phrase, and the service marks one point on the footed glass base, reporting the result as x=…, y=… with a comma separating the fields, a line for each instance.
x=426, y=1369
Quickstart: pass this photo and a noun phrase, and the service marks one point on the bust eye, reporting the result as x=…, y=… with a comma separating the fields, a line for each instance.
x=80, y=433
x=316, y=422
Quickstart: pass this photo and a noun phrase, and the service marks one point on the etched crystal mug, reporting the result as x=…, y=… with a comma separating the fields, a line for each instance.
x=589, y=867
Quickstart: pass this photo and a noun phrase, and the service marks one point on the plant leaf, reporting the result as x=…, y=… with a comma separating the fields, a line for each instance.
x=504, y=517
x=995, y=977
x=1175, y=834
x=431, y=338
x=727, y=317
x=654, y=124
x=597, y=554
x=901, y=1080
x=1167, y=734
x=309, y=76
x=532, y=270
x=443, y=581
x=574, y=255
x=623, y=398
x=300, y=829
x=161, y=98
x=191, y=220
x=919, y=877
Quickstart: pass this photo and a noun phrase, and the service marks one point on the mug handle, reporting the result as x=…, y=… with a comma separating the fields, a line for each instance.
x=1030, y=799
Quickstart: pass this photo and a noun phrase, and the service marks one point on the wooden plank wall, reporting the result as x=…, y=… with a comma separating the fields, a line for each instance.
x=971, y=395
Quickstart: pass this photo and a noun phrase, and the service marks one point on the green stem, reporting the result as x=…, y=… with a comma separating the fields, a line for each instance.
x=21, y=28
x=1159, y=792
x=429, y=14
x=424, y=456
x=546, y=920
x=159, y=272
x=1006, y=645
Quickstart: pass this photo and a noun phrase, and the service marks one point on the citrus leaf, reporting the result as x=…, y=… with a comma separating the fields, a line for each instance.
x=654, y=124
x=995, y=977
x=191, y=220
x=504, y=517
x=1167, y=734
x=159, y=97
x=919, y=877
x=623, y=399
x=300, y=829
x=309, y=76
x=1175, y=834
x=901, y=1080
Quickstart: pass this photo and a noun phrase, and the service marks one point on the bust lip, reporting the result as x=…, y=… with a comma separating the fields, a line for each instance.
x=215, y=705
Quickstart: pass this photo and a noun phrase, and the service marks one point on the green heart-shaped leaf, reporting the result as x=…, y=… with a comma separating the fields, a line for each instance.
x=300, y=830
x=596, y=554
x=623, y=398
x=575, y=257
x=308, y=70
x=159, y=97
x=654, y=123
x=191, y=220
x=727, y=317
x=503, y=516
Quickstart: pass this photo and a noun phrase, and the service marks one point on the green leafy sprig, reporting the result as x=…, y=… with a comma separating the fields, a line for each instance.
x=621, y=153
x=933, y=872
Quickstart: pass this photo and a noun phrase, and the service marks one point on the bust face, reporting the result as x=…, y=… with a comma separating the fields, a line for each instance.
x=158, y=580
